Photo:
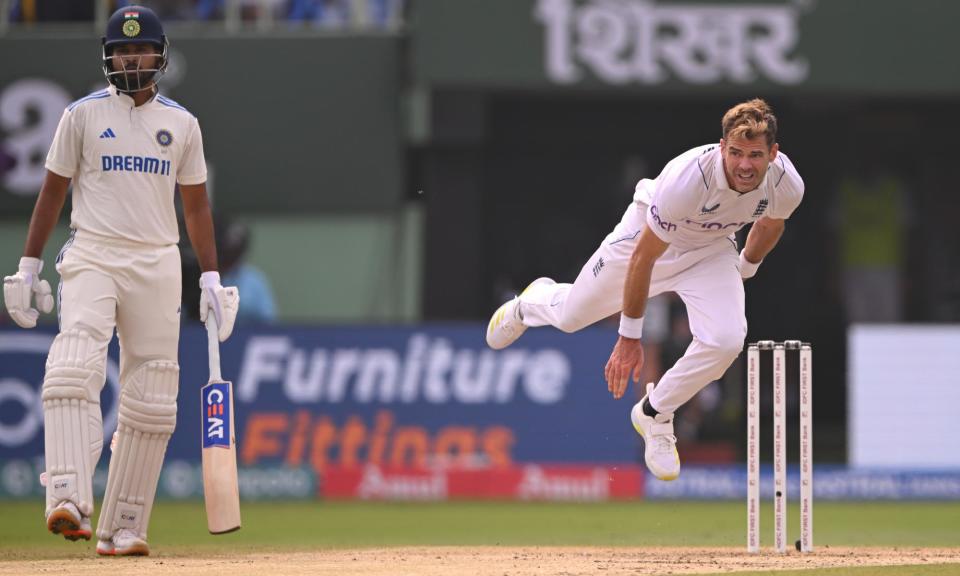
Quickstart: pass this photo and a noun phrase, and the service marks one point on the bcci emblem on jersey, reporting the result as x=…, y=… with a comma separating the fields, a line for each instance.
x=164, y=138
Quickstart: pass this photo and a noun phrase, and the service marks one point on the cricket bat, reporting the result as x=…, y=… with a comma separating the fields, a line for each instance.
x=220, y=490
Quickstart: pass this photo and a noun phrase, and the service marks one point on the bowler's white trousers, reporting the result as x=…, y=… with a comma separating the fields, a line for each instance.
x=706, y=279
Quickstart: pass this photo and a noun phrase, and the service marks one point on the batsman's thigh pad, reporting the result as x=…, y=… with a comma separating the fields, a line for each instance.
x=73, y=425
x=146, y=419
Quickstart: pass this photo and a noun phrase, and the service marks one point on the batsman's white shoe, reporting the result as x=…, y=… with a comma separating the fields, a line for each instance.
x=659, y=442
x=506, y=324
x=125, y=542
x=67, y=521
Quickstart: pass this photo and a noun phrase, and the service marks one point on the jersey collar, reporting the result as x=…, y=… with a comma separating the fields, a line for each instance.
x=127, y=101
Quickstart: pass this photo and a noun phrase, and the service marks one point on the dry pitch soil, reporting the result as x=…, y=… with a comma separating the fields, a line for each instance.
x=490, y=561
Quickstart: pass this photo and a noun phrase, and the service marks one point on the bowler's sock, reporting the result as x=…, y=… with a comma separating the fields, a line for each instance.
x=648, y=409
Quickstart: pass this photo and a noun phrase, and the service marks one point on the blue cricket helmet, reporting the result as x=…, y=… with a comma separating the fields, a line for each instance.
x=134, y=25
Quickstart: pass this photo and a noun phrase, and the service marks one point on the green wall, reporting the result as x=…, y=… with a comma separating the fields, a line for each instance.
x=289, y=123
x=302, y=134
x=888, y=47
x=360, y=268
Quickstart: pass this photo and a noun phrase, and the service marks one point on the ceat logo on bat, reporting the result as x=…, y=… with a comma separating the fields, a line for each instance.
x=216, y=415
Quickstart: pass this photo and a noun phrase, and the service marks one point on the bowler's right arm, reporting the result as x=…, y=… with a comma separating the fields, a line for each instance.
x=627, y=356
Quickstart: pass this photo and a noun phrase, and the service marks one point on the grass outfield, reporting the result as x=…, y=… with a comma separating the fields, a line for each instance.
x=633, y=530
x=178, y=527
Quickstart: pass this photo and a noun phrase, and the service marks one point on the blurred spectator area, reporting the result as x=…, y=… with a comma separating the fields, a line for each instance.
x=236, y=14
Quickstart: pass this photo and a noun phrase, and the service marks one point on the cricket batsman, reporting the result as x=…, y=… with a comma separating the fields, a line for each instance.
x=125, y=148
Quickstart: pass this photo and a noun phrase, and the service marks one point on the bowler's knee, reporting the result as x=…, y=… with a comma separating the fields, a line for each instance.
x=570, y=324
x=728, y=343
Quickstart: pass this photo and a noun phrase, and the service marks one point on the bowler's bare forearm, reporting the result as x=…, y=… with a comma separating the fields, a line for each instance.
x=46, y=212
x=199, y=221
x=763, y=236
x=637, y=287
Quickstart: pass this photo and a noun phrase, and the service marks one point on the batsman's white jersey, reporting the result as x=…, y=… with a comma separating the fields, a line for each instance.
x=119, y=270
x=125, y=161
x=690, y=206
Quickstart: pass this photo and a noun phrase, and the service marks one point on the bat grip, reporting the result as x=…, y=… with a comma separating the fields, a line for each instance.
x=213, y=346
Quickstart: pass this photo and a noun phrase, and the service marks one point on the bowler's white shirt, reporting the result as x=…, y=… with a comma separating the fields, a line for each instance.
x=125, y=161
x=691, y=206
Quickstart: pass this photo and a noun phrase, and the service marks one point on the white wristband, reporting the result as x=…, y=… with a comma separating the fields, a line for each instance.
x=631, y=327
x=210, y=279
x=748, y=268
x=30, y=265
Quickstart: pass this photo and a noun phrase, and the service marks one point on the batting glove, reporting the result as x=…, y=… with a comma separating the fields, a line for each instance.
x=19, y=289
x=222, y=302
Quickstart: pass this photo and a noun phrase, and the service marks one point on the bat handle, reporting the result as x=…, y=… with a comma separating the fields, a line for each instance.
x=213, y=346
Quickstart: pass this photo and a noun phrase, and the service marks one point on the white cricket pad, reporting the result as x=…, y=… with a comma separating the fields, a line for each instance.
x=146, y=419
x=73, y=426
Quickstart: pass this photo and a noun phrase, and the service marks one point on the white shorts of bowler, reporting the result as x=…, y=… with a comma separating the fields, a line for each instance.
x=706, y=279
